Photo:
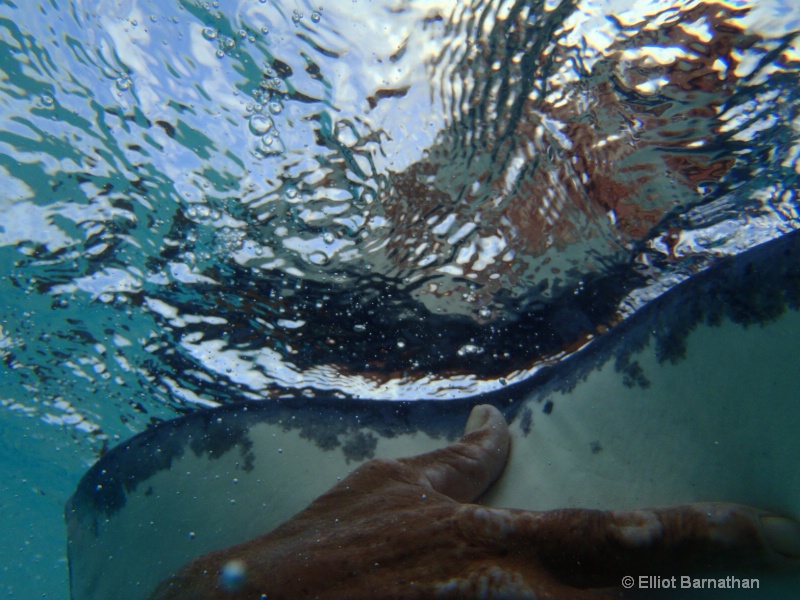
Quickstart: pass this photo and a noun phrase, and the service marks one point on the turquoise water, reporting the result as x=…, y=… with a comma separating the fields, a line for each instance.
x=209, y=202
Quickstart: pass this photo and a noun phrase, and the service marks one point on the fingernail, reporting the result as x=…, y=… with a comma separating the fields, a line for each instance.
x=782, y=535
x=477, y=418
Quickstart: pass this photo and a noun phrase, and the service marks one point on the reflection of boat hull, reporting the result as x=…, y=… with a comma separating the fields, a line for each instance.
x=720, y=425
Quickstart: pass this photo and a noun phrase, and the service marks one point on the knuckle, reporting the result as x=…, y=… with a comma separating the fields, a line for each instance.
x=486, y=524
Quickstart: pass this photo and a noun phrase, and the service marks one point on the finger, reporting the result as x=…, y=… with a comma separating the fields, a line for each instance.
x=493, y=581
x=596, y=548
x=464, y=470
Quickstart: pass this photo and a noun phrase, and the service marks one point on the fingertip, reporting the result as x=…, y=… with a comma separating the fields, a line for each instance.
x=782, y=535
x=483, y=415
x=487, y=429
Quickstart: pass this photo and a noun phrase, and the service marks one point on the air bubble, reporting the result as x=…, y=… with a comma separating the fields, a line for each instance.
x=259, y=124
x=315, y=16
x=318, y=258
x=233, y=576
x=210, y=33
x=328, y=238
x=48, y=100
x=275, y=107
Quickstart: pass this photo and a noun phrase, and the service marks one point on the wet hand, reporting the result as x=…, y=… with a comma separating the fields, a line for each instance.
x=405, y=529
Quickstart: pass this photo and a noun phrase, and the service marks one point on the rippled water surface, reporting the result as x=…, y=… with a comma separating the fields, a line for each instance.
x=209, y=201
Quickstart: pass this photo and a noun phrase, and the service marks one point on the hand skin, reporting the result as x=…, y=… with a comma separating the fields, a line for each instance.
x=405, y=529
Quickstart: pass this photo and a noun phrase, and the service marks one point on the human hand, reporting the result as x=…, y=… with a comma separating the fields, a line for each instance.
x=404, y=529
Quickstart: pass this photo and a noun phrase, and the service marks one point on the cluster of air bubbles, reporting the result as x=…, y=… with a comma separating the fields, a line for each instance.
x=297, y=16
x=272, y=82
x=202, y=213
x=244, y=34
x=470, y=350
x=231, y=239
x=263, y=128
x=109, y=297
x=268, y=102
x=226, y=45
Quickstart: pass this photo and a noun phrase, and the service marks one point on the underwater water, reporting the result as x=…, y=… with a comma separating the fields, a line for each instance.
x=208, y=202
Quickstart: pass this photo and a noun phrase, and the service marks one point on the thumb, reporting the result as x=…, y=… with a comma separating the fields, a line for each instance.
x=464, y=470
